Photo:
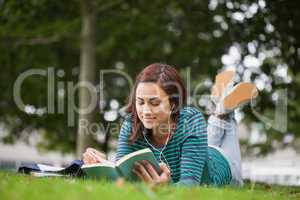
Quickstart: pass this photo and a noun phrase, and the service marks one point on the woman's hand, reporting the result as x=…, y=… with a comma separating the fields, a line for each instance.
x=91, y=156
x=146, y=172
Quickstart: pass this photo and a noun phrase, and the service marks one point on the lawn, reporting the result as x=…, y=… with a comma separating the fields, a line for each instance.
x=14, y=186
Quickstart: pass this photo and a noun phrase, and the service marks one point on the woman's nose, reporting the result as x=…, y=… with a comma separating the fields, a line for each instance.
x=147, y=109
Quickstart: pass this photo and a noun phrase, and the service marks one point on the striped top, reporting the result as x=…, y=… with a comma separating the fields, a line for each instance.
x=187, y=153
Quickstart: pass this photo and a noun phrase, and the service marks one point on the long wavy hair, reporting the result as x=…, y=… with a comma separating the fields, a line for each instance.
x=170, y=81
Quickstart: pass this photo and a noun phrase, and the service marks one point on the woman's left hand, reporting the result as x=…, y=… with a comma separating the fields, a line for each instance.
x=146, y=172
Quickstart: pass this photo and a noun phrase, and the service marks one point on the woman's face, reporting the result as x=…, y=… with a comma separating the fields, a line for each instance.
x=152, y=105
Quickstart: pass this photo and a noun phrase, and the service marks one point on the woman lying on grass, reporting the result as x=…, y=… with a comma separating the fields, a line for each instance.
x=190, y=152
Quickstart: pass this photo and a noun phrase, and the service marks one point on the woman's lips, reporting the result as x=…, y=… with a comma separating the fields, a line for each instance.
x=149, y=119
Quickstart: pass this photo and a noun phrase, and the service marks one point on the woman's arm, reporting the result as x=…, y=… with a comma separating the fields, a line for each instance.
x=193, y=151
x=91, y=155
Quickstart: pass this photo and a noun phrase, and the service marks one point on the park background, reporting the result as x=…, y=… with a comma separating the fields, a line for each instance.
x=49, y=47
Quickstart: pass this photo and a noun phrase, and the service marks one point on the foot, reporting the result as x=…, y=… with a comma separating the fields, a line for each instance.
x=223, y=83
x=241, y=94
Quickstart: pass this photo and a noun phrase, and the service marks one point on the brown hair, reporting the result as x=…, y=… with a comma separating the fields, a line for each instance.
x=170, y=81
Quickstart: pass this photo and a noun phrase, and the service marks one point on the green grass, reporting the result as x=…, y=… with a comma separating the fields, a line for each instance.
x=14, y=186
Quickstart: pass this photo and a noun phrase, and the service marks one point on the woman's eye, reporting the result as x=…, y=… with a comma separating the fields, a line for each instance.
x=140, y=103
x=155, y=104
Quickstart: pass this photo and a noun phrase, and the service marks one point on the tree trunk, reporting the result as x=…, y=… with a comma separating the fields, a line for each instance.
x=87, y=73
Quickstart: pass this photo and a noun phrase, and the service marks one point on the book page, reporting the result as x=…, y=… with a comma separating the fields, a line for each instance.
x=49, y=168
x=44, y=174
x=105, y=164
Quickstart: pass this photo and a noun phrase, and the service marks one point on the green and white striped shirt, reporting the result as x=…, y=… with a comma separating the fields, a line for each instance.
x=191, y=160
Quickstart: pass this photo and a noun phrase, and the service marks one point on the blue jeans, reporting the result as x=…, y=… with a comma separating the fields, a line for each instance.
x=223, y=137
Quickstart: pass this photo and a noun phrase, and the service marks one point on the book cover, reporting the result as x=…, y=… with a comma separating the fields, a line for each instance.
x=122, y=168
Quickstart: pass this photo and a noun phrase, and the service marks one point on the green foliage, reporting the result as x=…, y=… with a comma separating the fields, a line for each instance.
x=42, y=34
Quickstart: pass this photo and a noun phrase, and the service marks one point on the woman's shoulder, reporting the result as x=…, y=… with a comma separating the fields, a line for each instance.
x=190, y=112
x=127, y=117
x=126, y=122
x=190, y=116
x=191, y=122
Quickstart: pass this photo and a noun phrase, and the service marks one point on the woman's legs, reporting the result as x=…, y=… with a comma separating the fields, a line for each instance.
x=222, y=135
x=221, y=130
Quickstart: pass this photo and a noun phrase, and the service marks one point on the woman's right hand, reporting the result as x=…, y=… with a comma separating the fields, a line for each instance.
x=91, y=156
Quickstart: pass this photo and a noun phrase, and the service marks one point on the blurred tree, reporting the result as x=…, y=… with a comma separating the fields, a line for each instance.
x=259, y=38
x=267, y=37
x=38, y=35
x=87, y=73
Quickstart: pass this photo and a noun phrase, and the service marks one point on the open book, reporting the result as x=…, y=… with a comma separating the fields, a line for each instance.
x=122, y=168
x=108, y=170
